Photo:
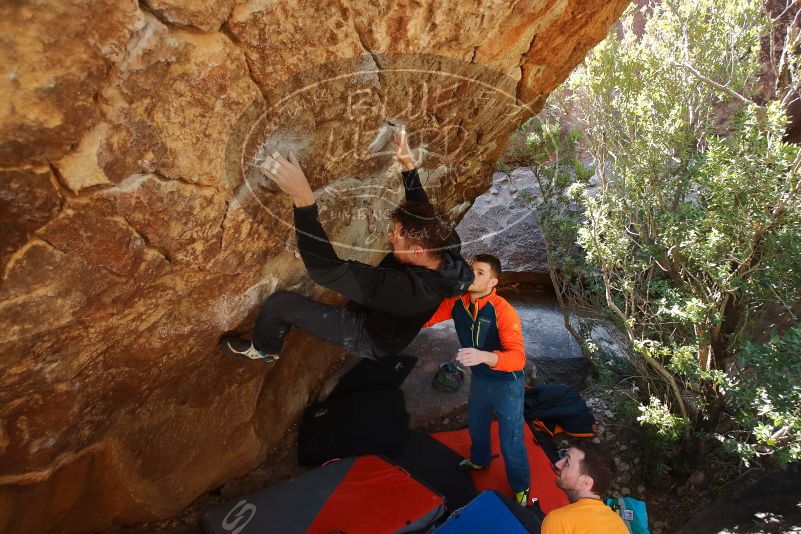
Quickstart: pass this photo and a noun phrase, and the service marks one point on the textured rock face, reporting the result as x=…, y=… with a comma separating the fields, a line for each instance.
x=502, y=222
x=133, y=233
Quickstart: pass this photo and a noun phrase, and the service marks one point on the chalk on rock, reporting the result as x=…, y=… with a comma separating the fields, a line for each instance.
x=384, y=136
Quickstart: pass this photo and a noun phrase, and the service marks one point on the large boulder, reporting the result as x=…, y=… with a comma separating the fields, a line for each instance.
x=503, y=222
x=133, y=233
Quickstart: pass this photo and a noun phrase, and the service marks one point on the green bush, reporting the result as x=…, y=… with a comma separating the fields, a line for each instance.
x=694, y=224
x=766, y=397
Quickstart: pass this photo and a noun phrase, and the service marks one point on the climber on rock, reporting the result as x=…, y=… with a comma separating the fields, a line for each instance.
x=389, y=303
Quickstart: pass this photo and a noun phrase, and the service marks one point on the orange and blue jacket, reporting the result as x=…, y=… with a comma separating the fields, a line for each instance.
x=491, y=324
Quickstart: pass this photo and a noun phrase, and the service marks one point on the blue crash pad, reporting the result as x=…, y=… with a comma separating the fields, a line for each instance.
x=485, y=513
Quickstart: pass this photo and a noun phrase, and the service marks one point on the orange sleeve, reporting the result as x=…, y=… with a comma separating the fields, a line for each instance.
x=443, y=313
x=512, y=356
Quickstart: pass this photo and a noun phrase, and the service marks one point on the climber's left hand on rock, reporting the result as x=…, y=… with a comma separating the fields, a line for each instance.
x=402, y=150
x=288, y=176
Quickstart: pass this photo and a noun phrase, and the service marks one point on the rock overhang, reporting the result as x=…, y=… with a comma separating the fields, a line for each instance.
x=133, y=237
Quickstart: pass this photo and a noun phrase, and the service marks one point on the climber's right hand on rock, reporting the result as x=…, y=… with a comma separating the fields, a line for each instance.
x=402, y=150
x=288, y=176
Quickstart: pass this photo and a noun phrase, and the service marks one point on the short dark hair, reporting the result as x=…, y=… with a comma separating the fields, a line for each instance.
x=423, y=225
x=598, y=464
x=492, y=261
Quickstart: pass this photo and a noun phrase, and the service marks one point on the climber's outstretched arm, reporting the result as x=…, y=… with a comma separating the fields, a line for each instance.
x=411, y=180
x=374, y=286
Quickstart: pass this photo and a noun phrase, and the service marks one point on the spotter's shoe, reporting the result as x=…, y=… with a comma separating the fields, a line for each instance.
x=522, y=497
x=468, y=465
x=242, y=349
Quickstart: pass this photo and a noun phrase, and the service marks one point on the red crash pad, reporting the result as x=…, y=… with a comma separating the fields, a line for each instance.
x=375, y=497
x=543, y=477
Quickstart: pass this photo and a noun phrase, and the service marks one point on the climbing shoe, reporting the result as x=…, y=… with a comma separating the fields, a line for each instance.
x=522, y=497
x=468, y=465
x=242, y=349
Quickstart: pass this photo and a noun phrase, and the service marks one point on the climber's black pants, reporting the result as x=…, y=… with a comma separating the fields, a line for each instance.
x=334, y=324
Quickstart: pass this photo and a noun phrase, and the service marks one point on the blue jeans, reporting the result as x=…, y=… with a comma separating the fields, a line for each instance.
x=505, y=399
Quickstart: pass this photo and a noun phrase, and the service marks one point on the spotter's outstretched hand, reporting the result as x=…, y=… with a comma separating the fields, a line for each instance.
x=470, y=357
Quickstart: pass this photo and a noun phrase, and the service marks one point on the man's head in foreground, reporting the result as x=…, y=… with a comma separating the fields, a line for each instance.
x=586, y=471
x=417, y=235
x=487, y=272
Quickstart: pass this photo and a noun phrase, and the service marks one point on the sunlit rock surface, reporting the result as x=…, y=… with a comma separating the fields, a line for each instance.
x=133, y=233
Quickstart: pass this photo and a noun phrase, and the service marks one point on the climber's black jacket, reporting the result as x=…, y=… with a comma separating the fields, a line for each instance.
x=396, y=298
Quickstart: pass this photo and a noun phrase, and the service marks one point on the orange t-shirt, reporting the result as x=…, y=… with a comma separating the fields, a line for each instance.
x=585, y=516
